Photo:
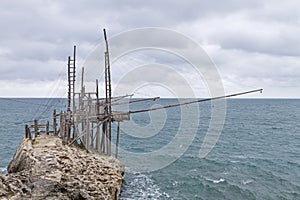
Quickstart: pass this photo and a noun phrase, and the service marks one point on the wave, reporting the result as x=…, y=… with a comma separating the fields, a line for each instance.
x=215, y=181
x=3, y=170
x=245, y=182
x=140, y=186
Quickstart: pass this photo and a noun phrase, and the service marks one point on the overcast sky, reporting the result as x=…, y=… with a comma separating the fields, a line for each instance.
x=254, y=44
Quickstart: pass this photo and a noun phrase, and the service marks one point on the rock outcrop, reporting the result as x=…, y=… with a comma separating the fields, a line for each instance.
x=45, y=168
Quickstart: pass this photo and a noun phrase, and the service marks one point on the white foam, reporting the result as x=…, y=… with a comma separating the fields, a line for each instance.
x=141, y=186
x=241, y=156
x=245, y=182
x=215, y=181
x=219, y=181
x=175, y=183
x=2, y=170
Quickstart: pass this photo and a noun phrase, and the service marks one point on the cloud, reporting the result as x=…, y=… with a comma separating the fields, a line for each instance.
x=252, y=42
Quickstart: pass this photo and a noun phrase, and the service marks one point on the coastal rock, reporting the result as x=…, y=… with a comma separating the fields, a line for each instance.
x=45, y=168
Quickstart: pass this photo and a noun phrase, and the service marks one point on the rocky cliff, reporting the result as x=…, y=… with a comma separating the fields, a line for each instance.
x=45, y=168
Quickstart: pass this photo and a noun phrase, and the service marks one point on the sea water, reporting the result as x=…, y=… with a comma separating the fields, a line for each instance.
x=257, y=155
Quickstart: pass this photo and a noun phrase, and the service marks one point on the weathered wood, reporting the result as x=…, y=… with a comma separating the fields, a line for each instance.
x=36, y=128
x=117, y=139
x=107, y=139
x=83, y=126
x=54, y=123
x=68, y=125
x=74, y=72
x=195, y=101
x=39, y=126
x=65, y=126
x=92, y=134
x=103, y=146
x=69, y=84
x=98, y=138
x=74, y=124
x=89, y=112
x=26, y=131
x=98, y=117
x=87, y=146
x=47, y=128
x=107, y=95
x=61, y=125
x=29, y=133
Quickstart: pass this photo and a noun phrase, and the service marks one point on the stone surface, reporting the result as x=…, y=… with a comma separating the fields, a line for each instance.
x=47, y=169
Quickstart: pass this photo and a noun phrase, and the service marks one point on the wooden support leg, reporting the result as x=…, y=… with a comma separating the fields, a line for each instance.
x=26, y=131
x=47, y=128
x=92, y=135
x=102, y=146
x=83, y=126
x=61, y=124
x=98, y=138
x=36, y=129
x=29, y=133
x=87, y=136
x=117, y=140
x=54, y=123
x=107, y=139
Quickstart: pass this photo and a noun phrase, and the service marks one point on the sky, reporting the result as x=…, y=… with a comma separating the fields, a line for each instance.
x=253, y=44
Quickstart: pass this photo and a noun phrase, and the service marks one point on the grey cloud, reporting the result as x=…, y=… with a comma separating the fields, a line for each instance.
x=271, y=28
x=31, y=70
x=39, y=35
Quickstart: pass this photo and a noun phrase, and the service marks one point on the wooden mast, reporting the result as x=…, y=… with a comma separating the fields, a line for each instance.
x=108, y=113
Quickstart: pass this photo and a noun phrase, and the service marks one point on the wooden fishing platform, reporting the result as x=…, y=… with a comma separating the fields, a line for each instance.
x=87, y=122
x=88, y=119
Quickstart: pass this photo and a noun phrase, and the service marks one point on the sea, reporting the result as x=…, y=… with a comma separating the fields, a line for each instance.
x=256, y=154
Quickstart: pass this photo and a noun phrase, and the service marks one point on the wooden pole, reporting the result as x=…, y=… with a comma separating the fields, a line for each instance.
x=117, y=140
x=83, y=126
x=82, y=79
x=81, y=105
x=61, y=125
x=98, y=137
x=92, y=134
x=107, y=139
x=87, y=135
x=195, y=101
x=98, y=117
x=54, y=123
x=68, y=124
x=47, y=128
x=26, y=131
x=29, y=133
x=64, y=126
x=75, y=119
x=107, y=96
x=36, y=129
x=102, y=146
